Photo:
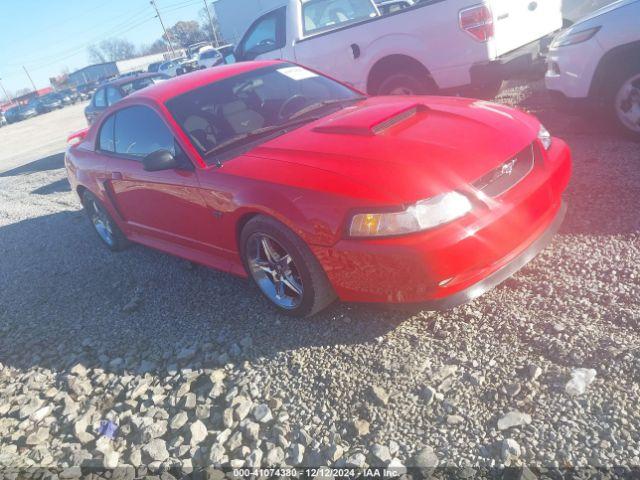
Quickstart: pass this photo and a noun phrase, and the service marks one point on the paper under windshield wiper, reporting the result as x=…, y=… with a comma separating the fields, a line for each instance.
x=324, y=103
x=257, y=133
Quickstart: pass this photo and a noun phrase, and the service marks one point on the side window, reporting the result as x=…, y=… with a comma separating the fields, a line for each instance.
x=113, y=95
x=99, y=99
x=265, y=35
x=106, y=142
x=139, y=131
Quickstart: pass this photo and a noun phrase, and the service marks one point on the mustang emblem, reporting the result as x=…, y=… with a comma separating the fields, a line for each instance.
x=507, y=168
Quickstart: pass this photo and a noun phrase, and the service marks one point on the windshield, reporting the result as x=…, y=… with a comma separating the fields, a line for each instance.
x=255, y=102
x=323, y=15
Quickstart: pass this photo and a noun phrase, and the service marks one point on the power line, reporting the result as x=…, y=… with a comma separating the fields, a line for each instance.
x=85, y=46
x=213, y=28
x=153, y=4
x=123, y=28
x=35, y=89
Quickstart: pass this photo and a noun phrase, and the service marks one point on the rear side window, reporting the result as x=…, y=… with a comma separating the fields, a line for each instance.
x=113, y=95
x=99, y=99
x=106, y=142
x=139, y=131
x=324, y=15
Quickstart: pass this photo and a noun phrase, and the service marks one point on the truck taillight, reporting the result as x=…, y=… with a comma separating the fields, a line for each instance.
x=478, y=22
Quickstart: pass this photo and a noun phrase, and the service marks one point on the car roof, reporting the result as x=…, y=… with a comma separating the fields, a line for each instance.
x=131, y=79
x=180, y=85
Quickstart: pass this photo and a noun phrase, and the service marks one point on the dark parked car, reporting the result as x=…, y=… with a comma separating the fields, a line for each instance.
x=47, y=103
x=153, y=68
x=85, y=91
x=109, y=93
x=69, y=96
x=21, y=112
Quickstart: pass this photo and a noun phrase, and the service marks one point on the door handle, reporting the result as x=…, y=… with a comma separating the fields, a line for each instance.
x=116, y=176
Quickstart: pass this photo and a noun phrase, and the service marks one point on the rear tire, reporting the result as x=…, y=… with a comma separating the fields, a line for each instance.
x=407, y=83
x=294, y=282
x=104, y=226
x=623, y=100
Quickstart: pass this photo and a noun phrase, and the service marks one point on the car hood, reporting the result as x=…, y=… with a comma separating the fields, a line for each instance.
x=403, y=149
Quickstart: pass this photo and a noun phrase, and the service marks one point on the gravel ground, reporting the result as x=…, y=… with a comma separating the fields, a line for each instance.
x=193, y=369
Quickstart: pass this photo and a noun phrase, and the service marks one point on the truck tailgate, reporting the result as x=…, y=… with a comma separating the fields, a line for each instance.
x=519, y=22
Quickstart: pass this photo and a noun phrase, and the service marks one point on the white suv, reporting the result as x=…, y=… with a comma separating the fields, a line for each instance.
x=596, y=62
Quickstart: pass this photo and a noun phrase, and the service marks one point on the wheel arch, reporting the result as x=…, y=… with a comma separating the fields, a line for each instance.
x=80, y=190
x=242, y=222
x=610, y=62
x=393, y=63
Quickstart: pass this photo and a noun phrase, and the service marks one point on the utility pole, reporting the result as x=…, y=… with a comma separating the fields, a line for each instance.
x=213, y=28
x=35, y=89
x=153, y=3
x=5, y=92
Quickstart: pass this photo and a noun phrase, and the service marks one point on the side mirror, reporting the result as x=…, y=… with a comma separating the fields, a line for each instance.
x=160, y=160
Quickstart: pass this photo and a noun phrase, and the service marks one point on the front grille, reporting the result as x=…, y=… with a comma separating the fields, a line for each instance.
x=499, y=180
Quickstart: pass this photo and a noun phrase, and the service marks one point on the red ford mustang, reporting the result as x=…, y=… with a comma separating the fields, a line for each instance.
x=316, y=192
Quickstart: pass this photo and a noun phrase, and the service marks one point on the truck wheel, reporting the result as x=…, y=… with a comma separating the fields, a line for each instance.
x=624, y=100
x=407, y=83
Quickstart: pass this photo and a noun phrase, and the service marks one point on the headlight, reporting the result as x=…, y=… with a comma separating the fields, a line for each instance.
x=423, y=215
x=545, y=137
x=571, y=37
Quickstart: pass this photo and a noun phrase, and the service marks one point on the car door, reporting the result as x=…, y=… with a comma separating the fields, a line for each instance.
x=97, y=105
x=265, y=38
x=164, y=209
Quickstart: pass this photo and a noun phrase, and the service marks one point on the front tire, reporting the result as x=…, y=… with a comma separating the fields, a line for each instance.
x=624, y=100
x=284, y=269
x=104, y=226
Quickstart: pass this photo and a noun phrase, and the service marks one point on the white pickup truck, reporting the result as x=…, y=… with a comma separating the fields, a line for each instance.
x=434, y=45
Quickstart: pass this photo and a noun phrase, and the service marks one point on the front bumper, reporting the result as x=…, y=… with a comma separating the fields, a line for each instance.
x=455, y=263
x=570, y=69
x=502, y=274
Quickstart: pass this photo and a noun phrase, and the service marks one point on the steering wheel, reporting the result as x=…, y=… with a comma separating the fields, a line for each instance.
x=288, y=103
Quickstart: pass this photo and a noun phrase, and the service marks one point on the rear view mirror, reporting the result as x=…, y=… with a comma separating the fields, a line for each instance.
x=160, y=160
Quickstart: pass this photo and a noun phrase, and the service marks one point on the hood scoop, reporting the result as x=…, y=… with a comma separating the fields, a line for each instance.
x=370, y=121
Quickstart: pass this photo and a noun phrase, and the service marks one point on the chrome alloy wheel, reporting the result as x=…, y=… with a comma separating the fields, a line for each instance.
x=102, y=223
x=628, y=104
x=274, y=270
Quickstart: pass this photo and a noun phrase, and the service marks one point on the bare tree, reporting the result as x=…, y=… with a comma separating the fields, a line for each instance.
x=206, y=27
x=112, y=50
x=159, y=46
x=96, y=55
x=183, y=34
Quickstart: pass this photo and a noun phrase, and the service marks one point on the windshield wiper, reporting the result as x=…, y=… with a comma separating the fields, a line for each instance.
x=241, y=139
x=324, y=103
